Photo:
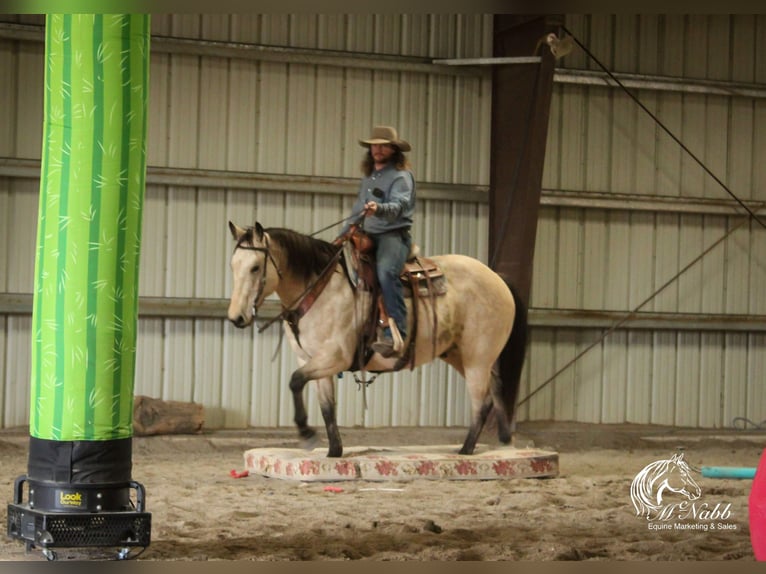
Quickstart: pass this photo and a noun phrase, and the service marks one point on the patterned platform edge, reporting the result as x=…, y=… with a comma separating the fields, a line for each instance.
x=402, y=464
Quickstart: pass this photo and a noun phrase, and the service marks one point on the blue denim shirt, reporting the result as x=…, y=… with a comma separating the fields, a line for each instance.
x=394, y=192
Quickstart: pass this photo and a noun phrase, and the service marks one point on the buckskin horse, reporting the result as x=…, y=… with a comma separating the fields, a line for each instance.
x=481, y=324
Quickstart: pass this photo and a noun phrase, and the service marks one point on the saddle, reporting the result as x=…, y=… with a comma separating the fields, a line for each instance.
x=421, y=278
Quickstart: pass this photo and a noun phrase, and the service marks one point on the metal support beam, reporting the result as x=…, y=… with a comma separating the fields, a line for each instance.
x=521, y=96
x=20, y=304
x=204, y=179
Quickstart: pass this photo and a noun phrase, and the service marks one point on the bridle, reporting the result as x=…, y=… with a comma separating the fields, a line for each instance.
x=268, y=257
x=289, y=313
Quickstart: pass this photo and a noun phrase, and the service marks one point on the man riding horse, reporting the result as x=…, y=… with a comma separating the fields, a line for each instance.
x=387, y=201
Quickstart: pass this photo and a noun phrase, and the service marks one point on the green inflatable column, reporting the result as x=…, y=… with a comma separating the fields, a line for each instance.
x=86, y=269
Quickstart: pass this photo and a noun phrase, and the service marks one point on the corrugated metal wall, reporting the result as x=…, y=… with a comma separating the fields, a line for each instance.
x=236, y=132
x=663, y=211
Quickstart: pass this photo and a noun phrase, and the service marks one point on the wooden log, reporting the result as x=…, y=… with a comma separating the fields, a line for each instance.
x=155, y=416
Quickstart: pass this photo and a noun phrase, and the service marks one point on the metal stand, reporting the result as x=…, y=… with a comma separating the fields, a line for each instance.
x=79, y=515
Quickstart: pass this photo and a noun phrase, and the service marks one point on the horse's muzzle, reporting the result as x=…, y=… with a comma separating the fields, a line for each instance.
x=240, y=321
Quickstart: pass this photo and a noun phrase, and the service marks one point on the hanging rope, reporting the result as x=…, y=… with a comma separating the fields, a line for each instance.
x=666, y=129
x=630, y=315
x=618, y=324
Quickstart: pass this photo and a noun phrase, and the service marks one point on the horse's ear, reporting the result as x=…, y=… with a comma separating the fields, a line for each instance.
x=236, y=231
x=259, y=230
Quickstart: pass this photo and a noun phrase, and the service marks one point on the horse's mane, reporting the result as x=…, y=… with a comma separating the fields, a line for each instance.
x=305, y=256
x=642, y=488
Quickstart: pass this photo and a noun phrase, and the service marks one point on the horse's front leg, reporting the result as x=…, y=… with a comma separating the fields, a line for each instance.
x=326, y=388
x=298, y=382
x=323, y=372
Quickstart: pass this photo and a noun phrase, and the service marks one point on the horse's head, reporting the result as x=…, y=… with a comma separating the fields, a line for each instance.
x=255, y=273
x=658, y=479
x=678, y=478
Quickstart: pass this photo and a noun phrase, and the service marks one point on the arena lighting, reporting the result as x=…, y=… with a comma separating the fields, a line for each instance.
x=79, y=490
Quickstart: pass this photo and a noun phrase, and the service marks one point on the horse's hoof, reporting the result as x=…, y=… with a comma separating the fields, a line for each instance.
x=309, y=442
x=335, y=453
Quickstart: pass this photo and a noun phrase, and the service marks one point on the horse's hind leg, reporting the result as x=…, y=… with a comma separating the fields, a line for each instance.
x=477, y=382
x=326, y=392
x=503, y=424
x=477, y=424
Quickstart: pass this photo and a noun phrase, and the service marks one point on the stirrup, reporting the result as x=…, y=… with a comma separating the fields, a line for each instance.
x=390, y=347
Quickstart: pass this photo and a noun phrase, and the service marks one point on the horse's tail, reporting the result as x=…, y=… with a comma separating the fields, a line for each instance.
x=511, y=360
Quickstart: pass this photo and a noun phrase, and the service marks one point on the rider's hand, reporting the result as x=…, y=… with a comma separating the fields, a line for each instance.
x=370, y=208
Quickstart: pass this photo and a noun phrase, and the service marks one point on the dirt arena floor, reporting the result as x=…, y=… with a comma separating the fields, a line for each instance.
x=200, y=512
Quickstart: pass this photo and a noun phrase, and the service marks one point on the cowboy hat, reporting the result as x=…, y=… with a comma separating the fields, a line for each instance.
x=385, y=135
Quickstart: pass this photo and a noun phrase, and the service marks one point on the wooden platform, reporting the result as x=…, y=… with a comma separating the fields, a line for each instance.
x=440, y=462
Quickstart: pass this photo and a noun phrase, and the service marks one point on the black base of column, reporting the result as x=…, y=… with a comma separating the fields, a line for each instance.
x=48, y=529
x=79, y=494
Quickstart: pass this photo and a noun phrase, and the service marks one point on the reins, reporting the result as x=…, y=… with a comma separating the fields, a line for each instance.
x=287, y=310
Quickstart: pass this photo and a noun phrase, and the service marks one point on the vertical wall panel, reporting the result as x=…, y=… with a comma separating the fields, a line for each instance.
x=618, y=270
x=544, y=285
x=641, y=258
x=29, y=114
x=242, y=144
x=22, y=228
x=669, y=156
x=737, y=253
x=638, y=392
x=664, y=369
x=739, y=156
x=18, y=371
x=213, y=112
x=8, y=98
x=713, y=266
x=643, y=144
x=150, y=361
x=158, y=124
x=328, y=137
x=594, y=273
x=756, y=397
x=543, y=363
x=4, y=362
x=711, y=381
x=570, y=278
x=757, y=270
x=573, y=130
x=615, y=379
x=301, y=118
x=687, y=400
x=735, y=377
x=690, y=245
x=273, y=97
x=623, y=135
x=183, y=123
x=717, y=114
x=564, y=387
x=5, y=231
x=590, y=370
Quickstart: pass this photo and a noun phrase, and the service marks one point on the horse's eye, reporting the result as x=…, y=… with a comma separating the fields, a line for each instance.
x=255, y=269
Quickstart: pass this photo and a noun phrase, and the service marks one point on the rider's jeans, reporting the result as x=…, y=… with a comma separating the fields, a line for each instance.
x=392, y=249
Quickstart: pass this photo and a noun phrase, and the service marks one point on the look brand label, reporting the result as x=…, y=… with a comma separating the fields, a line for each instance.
x=70, y=498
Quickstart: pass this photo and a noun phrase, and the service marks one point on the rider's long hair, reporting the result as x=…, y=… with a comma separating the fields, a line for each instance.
x=399, y=160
